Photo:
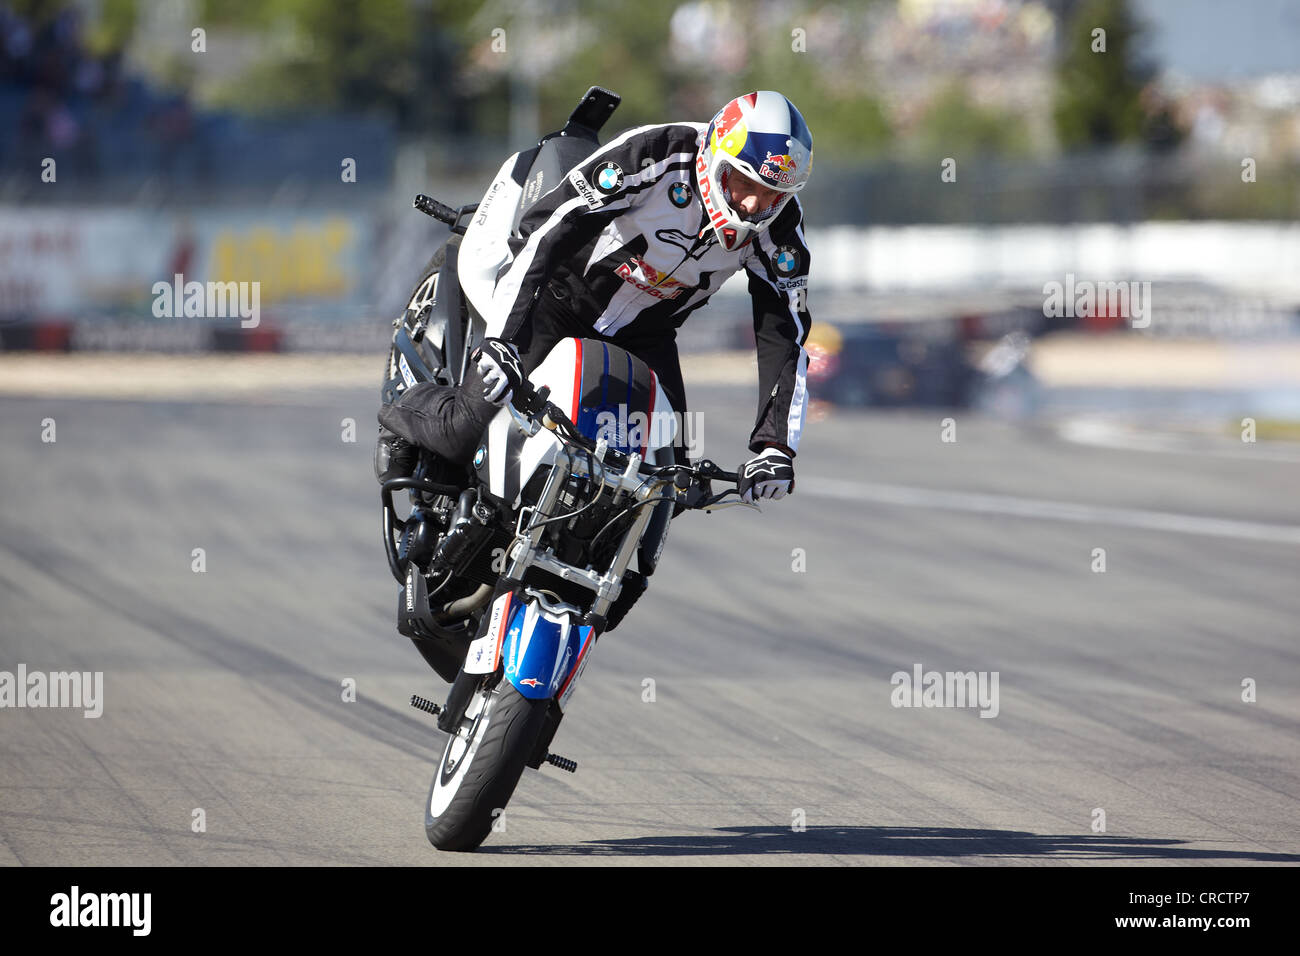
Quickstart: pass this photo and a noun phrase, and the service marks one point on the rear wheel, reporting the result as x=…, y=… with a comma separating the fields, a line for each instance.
x=481, y=765
x=432, y=345
x=425, y=290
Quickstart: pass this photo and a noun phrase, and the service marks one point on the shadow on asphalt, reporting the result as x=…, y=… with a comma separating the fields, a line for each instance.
x=899, y=841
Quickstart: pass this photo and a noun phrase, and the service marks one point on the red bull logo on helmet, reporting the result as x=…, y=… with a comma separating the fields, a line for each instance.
x=780, y=168
x=729, y=128
x=731, y=115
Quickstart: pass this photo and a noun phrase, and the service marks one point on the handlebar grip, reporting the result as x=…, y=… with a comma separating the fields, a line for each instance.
x=710, y=470
x=530, y=401
x=526, y=398
x=431, y=207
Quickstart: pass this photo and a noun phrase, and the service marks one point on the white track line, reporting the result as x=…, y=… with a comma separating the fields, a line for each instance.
x=1104, y=434
x=975, y=503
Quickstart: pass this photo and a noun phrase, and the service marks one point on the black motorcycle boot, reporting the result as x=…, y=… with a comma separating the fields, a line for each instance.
x=395, y=457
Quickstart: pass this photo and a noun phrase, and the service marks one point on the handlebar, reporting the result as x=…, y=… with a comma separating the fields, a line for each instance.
x=443, y=213
x=431, y=207
x=534, y=404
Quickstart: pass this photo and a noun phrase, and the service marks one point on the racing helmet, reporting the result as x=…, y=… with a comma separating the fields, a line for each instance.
x=763, y=137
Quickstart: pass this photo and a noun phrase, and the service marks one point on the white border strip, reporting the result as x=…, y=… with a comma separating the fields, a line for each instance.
x=975, y=503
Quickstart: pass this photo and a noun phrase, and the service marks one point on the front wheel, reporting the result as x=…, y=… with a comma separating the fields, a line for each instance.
x=481, y=765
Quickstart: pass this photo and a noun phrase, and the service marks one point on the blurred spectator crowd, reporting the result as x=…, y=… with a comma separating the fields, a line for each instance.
x=106, y=123
x=57, y=99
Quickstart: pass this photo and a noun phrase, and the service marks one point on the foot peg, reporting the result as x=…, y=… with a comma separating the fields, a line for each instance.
x=563, y=763
x=428, y=706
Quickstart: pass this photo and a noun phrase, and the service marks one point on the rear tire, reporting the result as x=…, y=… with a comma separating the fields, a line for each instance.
x=481, y=766
x=423, y=289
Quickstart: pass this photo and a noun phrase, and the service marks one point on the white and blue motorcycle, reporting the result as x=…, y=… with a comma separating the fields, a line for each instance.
x=511, y=571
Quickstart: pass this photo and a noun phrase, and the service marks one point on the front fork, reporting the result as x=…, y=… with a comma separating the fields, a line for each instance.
x=486, y=651
x=462, y=690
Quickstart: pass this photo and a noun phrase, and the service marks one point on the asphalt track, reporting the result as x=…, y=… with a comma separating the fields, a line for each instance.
x=770, y=739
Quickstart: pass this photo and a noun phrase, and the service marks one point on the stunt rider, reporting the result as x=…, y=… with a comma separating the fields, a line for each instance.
x=636, y=238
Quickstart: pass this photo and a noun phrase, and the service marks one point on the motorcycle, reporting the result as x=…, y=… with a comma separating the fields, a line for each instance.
x=512, y=568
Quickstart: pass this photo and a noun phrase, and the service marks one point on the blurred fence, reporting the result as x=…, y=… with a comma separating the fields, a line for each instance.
x=214, y=157
x=244, y=200
x=1121, y=186
x=233, y=159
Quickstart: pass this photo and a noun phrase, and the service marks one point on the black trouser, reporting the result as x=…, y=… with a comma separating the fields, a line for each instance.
x=450, y=420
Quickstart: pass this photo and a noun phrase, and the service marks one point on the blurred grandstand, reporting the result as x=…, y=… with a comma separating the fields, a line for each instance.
x=213, y=138
x=114, y=130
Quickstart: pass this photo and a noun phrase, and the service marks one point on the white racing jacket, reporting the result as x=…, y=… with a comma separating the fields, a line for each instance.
x=625, y=238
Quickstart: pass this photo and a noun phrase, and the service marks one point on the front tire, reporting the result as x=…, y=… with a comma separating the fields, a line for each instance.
x=481, y=766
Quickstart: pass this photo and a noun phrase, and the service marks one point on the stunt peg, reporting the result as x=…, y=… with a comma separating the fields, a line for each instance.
x=428, y=706
x=562, y=762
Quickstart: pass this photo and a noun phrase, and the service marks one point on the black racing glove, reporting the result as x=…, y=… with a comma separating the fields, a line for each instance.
x=502, y=371
x=770, y=475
